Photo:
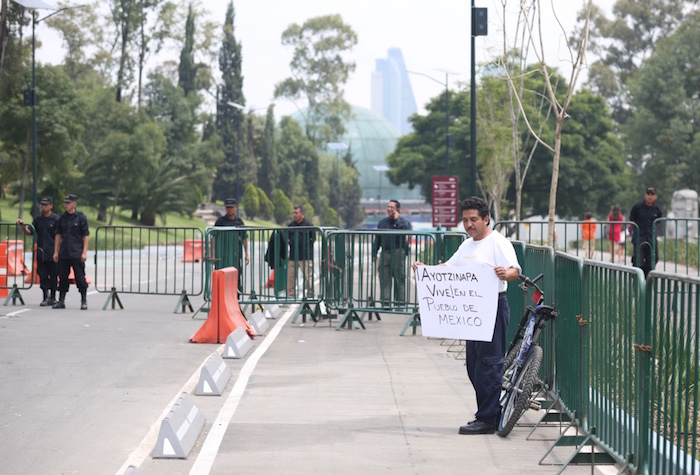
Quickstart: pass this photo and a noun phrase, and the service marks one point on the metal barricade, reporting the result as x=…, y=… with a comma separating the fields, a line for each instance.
x=17, y=261
x=370, y=271
x=540, y=260
x=285, y=265
x=678, y=245
x=668, y=357
x=148, y=260
x=613, y=309
x=569, y=237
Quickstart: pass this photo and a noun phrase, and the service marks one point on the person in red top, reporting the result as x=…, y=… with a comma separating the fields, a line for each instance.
x=616, y=235
x=588, y=228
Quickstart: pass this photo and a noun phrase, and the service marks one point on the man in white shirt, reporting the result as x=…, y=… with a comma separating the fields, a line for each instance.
x=485, y=359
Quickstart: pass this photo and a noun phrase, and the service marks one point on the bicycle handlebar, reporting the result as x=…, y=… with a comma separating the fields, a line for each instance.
x=528, y=281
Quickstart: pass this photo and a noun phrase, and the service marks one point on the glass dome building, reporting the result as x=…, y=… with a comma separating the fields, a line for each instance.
x=371, y=139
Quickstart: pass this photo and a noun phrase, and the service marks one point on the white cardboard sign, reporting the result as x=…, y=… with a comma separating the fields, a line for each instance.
x=458, y=302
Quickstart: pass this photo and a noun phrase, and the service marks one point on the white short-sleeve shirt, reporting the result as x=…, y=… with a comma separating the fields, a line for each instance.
x=494, y=250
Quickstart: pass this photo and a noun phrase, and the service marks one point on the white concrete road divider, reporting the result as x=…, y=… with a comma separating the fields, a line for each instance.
x=214, y=376
x=238, y=344
x=131, y=470
x=271, y=311
x=179, y=430
x=259, y=322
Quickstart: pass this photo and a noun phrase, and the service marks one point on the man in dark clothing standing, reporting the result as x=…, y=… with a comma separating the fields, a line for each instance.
x=301, y=254
x=230, y=244
x=392, y=264
x=70, y=250
x=643, y=214
x=45, y=228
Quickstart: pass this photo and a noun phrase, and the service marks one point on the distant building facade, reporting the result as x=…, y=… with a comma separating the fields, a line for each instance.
x=392, y=95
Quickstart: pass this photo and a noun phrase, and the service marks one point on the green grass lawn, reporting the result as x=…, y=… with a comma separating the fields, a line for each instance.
x=9, y=210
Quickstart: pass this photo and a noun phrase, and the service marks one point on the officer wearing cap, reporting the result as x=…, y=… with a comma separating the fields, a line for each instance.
x=45, y=228
x=643, y=214
x=232, y=248
x=70, y=250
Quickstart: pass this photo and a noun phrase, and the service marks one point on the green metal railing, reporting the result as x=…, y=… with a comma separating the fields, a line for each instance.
x=678, y=245
x=569, y=237
x=671, y=347
x=269, y=250
x=148, y=260
x=612, y=305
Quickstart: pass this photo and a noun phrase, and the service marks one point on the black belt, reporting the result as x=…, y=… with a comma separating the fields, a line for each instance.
x=501, y=295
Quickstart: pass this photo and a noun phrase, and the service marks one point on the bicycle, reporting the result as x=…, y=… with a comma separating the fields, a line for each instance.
x=523, y=359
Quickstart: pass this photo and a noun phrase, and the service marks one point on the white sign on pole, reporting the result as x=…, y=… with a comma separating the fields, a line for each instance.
x=458, y=302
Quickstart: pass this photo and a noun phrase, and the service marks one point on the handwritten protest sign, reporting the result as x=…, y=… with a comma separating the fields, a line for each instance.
x=458, y=302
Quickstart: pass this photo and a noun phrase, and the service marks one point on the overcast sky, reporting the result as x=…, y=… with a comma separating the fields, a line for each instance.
x=434, y=37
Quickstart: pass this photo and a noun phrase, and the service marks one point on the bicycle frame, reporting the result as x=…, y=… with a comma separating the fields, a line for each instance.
x=521, y=371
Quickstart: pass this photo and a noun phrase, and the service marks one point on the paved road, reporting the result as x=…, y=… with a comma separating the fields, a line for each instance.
x=85, y=392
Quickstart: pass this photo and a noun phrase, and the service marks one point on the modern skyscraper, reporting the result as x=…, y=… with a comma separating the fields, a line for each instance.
x=392, y=95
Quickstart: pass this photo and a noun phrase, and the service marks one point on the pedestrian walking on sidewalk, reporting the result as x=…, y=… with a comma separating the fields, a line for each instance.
x=70, y=250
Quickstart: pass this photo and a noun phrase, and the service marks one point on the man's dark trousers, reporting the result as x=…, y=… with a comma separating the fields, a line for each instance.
x=78, y=266
x=485, y=360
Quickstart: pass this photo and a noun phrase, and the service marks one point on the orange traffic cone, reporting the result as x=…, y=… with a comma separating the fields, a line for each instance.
x=271, y=281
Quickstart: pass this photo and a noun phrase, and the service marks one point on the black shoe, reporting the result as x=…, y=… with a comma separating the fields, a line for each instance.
x=83, y=305
x=46, y=303
x=477, y=427
x=59, y=304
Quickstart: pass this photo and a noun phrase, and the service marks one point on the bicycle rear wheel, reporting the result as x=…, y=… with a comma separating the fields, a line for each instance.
x=518, y=400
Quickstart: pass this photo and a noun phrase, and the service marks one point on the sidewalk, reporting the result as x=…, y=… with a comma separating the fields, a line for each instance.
x=360, y=401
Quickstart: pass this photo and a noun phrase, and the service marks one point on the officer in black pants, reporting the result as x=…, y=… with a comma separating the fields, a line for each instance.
x=70, y=250
x=45, y=228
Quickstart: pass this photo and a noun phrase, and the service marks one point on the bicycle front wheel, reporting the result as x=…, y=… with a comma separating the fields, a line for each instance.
x=519, y=398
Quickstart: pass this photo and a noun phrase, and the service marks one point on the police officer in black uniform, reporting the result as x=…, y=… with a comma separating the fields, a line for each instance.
x=229, y=251
x=45, y=228
x=70, y=250
x=643, y=214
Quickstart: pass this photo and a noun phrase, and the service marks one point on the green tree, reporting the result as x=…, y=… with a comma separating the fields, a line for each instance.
x=269, y=172
x=663, y=135
x=251, y=201
x=319, y=73
x=298, y=160
x=267, y=208
x=623, y=44
x=231, y=176
x=187, y=70
x=282, y=206
x=331, y=218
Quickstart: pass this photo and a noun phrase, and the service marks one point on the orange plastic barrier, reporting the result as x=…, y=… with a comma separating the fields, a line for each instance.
x=34, y=274
x=4, y=292
x=271, y=281
x=225, y=314
x=71, y=278
x=14, y=250
x=193, y=250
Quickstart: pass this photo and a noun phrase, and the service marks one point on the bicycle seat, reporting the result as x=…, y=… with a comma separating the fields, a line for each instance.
x=546, y=311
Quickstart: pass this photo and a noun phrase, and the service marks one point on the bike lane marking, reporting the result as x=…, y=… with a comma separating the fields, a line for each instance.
x=210, y=448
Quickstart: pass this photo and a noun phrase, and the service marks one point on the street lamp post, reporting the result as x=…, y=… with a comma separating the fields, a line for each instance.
x=337, y=146
x=447, y=113
x=36, y=5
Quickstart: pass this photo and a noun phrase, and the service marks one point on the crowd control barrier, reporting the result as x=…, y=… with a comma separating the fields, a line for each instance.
x=677, y=250
x=370, y=271
x=16, y=258
x=146, y=260
x=569, y=237
x=294, y=254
